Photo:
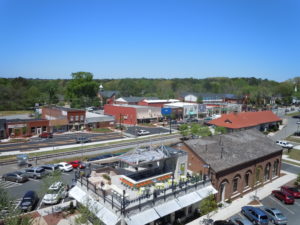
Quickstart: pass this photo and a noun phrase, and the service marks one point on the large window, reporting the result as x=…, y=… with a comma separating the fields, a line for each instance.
x=235, y=184
x=71, y=118
x=247, y=179
x=76, y=118
x=275, y=168
x=267, y=172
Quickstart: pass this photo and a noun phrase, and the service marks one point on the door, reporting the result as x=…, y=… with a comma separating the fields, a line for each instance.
x=223, y=190
x=38, y=130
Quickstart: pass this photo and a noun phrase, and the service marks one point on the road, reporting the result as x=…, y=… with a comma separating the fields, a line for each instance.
x=153, y=130
x=57, y=140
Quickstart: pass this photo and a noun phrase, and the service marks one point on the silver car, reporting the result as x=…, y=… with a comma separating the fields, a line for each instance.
x=240, y=221
x=55, y=193
x=275, y=216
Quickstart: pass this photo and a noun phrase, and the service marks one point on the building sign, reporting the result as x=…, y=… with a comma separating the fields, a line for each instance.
x=16, y=125
x=166, y=111
x=202, y=108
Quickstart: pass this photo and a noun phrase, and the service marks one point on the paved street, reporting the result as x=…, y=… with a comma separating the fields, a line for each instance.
x=57, y=140
x=153, y=130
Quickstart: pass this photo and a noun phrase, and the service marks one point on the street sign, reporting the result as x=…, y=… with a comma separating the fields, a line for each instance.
x=166, y=111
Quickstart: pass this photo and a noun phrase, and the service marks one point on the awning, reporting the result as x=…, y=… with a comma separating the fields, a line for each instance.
x=205, y=192
x=189, y=199
x=78, y=194
x=143, y=217
x=167, y=208
x=107, y=217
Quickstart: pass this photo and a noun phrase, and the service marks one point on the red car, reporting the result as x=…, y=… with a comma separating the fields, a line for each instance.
x=284, y=197
x=77, y=164
x=46, y=135
x=291, y=191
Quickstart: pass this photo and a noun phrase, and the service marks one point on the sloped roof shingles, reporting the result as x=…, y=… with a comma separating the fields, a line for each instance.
x=245, y=119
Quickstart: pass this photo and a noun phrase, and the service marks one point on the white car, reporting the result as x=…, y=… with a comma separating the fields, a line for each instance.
x=285, y=144
x=143, y=132
x=55, y=193
x=66, y=167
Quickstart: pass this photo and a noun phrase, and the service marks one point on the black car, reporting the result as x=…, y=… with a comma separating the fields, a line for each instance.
x=100, y=157
x=296, y=117
x=15, y=177
x=223, y=222
x=29, y=201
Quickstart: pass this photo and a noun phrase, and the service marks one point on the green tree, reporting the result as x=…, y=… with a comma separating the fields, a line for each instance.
x=9, y=213
x=204, y=131
x=81, y=89
x=184, y=130
x=220, y=130
x=208, y=205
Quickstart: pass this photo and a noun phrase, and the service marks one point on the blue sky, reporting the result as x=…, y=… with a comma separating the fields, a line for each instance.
x=153, y=39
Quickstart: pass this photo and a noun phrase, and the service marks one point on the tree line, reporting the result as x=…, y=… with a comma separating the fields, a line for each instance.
x=81, y=90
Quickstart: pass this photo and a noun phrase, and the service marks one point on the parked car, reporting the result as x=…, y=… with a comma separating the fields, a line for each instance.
x=298, y=122
x=29, y=201
x=296, y=116
x=284, y=197
x=46, y=135
x=285, y=144
x=66, y=167
x=255, y=215
x=50, y=167
x=223, y=222
x=77, y=164
x=15, y=177
x=82, y=140
x=100, y=157
x=295, y=192
x=275, y=216
x=55, y=193
x=35, y=172
x=240, y=221
x=142, y=132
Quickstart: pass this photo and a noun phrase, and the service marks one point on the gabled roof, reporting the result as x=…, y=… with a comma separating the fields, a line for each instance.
x=133, y=99
x=245, y=119
x=211, y=95
x=225, y=151
x=108, y=94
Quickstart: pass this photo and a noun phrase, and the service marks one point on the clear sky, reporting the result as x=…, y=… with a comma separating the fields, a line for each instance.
x=149, y=38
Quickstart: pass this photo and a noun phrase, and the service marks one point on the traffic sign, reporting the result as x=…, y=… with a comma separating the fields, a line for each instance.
x=166, y=111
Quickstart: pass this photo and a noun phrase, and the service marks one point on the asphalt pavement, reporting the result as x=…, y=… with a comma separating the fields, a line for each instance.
x=153, y=130
x=57, y=140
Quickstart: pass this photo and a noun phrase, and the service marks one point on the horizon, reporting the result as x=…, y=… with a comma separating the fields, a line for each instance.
x=162, y=40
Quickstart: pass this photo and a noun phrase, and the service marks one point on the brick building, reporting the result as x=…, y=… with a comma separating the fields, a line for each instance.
x=26, y=127
x=157, y=102
x=260, y=120
x=132, y=114
x=236, y=162
x=64, y=119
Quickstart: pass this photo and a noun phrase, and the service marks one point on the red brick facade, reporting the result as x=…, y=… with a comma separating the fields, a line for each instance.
x=26, y=127
x=126, y=115
x=236, y=181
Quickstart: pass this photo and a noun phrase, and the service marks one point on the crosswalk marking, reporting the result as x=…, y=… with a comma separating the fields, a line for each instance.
x=8, y=184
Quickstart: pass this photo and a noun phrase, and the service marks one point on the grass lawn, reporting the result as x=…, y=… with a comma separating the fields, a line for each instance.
x=293, y=139
x=102, y=130
x=293, y=114
x=8, y=113
x=293, y=154
x=84, y=157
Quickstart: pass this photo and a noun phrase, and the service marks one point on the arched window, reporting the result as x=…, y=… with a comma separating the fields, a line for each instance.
x=267, y=172
x=235, y=183
x=247, y=179
x=275, y=168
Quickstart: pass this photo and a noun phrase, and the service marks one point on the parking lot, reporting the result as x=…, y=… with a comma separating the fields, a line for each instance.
x=57, y=140
x=153, y=130
x=17, y=190
x=290, y=211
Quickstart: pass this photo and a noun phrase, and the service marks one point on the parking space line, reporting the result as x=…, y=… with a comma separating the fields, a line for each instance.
x=9, y=184
x=282, y=205
x=34, y=180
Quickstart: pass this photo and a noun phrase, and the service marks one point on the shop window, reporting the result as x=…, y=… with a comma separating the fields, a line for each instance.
x=71, y=118
x=76, y=118
x=81, y=118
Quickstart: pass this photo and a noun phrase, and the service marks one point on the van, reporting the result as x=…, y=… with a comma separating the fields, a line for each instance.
x=285, y=144
x=255, y=215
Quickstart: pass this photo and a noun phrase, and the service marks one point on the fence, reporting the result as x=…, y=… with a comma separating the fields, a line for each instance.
x=124, y=205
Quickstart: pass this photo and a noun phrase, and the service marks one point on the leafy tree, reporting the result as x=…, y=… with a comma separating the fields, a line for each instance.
x=184, y=130
x=9, y=213
x=220, y=130
x=208, y=205
x=204, y=131
x=81, y=89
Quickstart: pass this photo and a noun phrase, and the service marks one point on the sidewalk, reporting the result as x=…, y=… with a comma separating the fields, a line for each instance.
x=237, y=204
x=286, y=157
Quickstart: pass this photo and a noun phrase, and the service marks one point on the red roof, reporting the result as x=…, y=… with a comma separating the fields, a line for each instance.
x=245, y=119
